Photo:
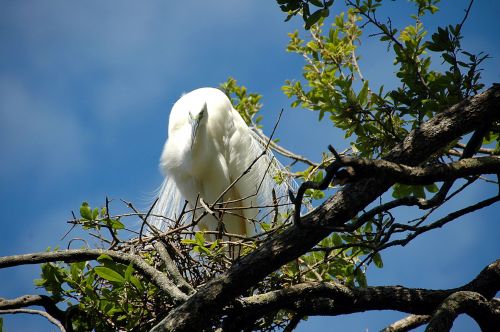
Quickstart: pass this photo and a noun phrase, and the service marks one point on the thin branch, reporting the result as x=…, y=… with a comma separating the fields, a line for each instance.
x=408, y=323
x=393, y=39
x=404, y=201
x=480, y=150
x=436, y=224
x=145, y=220
x=28, y=300
x=466, y=15
x=35, y=312
x=330, y=171
x=115, y=238
x=79, y=255
x=283, y=151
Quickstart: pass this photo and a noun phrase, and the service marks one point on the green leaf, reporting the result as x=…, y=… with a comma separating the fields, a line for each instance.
x=419, y=191
x=214, y=244
x=317, y=3
x=40, y=282
x=116, y=224
x=265, y=227
x=432, y=188
x=313, y=18
x=321, y=114
x=337, y=240
x=137, y=284
x=363, y=94
x=104, y=257
x=95, y=213
x=85, y=211
x=108, y=274
x=490, y=137
x=188, y=241
x=200, y=238
x=361, y=278
x=128, y=272
x=401, y=190
x=74, y=271
x=377, y=259
x=448, y=58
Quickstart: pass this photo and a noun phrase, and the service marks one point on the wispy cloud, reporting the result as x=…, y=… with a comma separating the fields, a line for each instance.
x=122, y=55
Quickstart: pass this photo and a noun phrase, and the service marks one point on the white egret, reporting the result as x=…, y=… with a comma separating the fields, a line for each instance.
x=210, y=146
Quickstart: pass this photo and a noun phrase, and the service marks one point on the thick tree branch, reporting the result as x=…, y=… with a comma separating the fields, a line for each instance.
x=419, y=145
x=364, y=168
x=78, y=255
x=485, y=313
x=318, y=298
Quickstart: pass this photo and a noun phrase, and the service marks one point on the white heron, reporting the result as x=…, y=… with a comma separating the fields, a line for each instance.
x=209, y=147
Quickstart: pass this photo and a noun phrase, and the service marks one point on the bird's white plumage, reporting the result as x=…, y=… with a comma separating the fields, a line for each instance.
x=209, y=146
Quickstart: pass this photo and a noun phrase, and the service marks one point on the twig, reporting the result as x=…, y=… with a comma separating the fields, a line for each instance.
x=131, y=206
x=438, y=223
x=145, y=221
x=322, y=185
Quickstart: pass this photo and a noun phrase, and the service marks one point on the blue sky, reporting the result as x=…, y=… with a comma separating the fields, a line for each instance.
x=85, y=92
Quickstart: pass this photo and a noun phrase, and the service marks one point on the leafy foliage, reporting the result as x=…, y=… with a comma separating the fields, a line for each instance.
x=303, y=7
x=247, y=104
x=377, y=120
x=96, y=219
x=108, y=296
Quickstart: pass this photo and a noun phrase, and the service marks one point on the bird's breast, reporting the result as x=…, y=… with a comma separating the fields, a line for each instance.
x=194, y=159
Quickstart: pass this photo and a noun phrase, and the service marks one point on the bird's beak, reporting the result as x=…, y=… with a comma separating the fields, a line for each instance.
x=194, y=128
x=195, y=123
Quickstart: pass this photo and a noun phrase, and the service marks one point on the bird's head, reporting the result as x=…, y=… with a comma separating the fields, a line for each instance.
x=188, y=116
x=199, y=119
